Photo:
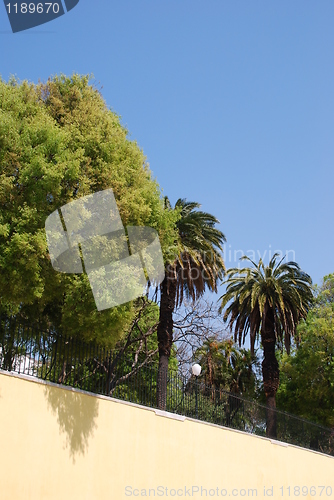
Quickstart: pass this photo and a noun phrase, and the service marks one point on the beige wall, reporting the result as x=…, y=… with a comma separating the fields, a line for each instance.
x=64, y=444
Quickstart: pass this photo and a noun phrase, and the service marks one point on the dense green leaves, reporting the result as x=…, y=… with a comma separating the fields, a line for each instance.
x=307, y=376
x=59, y=142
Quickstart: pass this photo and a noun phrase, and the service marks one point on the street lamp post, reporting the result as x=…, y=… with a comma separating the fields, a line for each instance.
x=196, y=369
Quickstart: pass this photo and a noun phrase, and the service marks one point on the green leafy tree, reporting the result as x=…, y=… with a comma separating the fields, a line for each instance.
x=198, y=265
x=268, y=301
x=307, y=376
x=59, y=142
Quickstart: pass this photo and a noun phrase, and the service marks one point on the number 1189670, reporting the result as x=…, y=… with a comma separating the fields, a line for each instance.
x=33, y=8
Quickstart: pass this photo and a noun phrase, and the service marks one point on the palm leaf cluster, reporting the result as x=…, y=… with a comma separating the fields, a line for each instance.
x=226, y=366
x=283, y=289
x=199, y=262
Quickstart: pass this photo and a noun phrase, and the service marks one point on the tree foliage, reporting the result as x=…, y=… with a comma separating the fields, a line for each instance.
x=199, y=262
x=282, y=288
x=59, y=142
x=307, y=376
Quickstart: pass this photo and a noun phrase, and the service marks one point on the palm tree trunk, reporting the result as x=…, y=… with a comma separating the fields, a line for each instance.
x=165, y=336
x=270, y=371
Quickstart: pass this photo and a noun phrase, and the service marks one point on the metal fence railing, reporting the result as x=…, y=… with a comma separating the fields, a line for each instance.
x=68, y=361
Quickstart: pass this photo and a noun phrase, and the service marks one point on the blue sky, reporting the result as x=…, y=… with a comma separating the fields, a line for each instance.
x=231, y=101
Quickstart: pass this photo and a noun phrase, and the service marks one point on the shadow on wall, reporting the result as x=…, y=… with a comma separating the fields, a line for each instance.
x=76, y=414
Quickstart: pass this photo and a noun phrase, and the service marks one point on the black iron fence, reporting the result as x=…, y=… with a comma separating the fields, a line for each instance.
x=68, y=361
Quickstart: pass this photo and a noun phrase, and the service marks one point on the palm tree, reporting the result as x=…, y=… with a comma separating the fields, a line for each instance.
x=196, y=267
x=228, y=372
x=225, y=366
x=270, y=301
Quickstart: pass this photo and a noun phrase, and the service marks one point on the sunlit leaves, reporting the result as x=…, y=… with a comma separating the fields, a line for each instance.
x=59, y=142
x=307, y=376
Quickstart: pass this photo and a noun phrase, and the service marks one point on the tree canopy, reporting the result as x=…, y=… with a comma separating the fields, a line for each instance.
x=59, y=142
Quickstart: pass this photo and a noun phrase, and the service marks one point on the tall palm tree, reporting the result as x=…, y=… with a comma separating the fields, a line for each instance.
x=267, y=301
x=197, y=266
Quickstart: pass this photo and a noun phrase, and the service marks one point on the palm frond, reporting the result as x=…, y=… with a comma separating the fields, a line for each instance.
x=282, y=288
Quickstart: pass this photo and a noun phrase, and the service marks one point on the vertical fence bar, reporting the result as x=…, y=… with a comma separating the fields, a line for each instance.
x=104, y=385
x=55, y=361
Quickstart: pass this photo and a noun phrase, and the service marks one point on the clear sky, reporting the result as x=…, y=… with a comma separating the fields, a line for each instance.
x=231, y=101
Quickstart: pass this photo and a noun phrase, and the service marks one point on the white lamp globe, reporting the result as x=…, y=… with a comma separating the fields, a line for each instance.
x=196, y=369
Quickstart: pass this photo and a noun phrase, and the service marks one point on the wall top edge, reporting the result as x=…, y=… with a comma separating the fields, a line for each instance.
x=159, y=413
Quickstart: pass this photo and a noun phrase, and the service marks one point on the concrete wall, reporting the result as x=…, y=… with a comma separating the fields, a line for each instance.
x=59, y=443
